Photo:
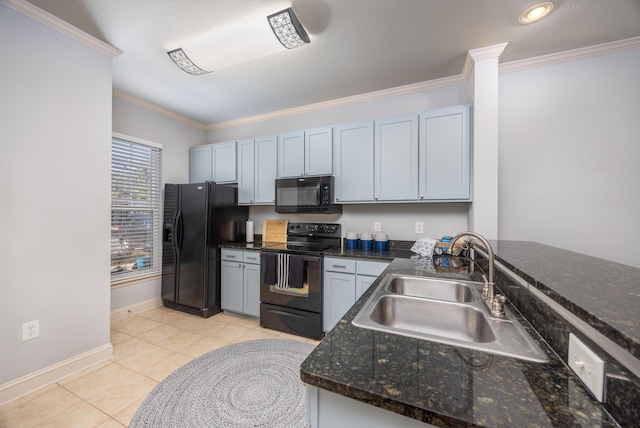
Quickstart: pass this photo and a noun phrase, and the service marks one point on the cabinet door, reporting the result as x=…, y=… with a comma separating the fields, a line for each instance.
x=224, y=162
x=445, y=154
x=339, y=296
x=363, y=282
x=266, y=152
x=291, y=154
x=318, y=151
x=396, y=154
x=246, y=172
x=353, y=162
x=200, y=164
x=232, y=279
x=252, y=289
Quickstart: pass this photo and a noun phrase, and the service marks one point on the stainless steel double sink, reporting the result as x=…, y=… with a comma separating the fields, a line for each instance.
x=445, y=311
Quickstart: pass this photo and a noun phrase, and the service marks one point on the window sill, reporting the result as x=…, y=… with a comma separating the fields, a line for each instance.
x=124, y=282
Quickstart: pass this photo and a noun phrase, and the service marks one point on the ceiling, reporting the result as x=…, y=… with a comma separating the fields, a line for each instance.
x=357, y=46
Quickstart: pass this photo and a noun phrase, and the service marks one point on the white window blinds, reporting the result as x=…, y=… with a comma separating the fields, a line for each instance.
x=136, y=194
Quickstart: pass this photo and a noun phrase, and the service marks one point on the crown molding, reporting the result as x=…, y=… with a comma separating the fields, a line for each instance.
x=572, y=55
x=346, y=101
x=493, y=51
x=462, y=78
x=157, y=109
x=29, y=10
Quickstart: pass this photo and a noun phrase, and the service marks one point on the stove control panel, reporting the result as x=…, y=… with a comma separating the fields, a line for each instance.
x=328, y=230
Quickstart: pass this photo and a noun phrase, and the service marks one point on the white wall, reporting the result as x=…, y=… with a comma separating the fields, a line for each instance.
x=176, y=137
x=55, y=149
x=396, y=220
x=570, y=156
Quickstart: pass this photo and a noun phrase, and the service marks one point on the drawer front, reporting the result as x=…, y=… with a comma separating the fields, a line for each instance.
x=339, y=265
x=371, y=268
x=252, y=257
x=231, y=255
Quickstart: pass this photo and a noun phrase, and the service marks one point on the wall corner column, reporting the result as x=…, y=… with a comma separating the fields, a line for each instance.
x=483, y=84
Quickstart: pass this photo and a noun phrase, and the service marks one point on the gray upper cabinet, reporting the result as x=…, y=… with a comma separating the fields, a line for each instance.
x=318, y=147
x=396, y=159
x=413, y=158
x=353, y=162
x=303, y=153
x=291, y=154
x=257, y=160
x=445, y=154
x=213, y=162
x=224, y=162
x=200, y=165
x=266, y=153
x=246, y=172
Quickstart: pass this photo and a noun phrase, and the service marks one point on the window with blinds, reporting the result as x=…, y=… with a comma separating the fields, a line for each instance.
x=136, y=193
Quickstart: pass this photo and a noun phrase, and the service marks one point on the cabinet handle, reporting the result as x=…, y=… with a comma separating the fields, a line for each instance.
x=421, y=196
x=337, y=198
x=339, y=266
x=251, y=258
x=231, y=256
x=375, y=197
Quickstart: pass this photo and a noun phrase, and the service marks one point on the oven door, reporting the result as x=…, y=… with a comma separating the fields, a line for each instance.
x=308, y=298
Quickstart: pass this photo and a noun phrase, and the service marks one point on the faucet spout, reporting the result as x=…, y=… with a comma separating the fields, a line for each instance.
x=490, y=283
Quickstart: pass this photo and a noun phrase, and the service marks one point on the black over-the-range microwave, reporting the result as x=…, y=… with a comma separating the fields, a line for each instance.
x=309, y=195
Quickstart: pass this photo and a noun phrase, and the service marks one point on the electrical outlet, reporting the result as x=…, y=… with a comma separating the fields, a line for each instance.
x=587, y=365
x=419, y=227
x=376, y=227
x=30, y=330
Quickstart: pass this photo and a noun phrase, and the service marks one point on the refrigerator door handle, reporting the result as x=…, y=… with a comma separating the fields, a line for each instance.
x=179, y=230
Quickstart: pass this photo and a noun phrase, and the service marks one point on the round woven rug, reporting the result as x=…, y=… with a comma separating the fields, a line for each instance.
x=249, y=384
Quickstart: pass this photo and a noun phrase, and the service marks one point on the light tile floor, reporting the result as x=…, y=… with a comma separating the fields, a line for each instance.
x=146, y=348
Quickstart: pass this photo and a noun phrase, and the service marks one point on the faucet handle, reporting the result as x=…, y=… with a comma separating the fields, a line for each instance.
x=485, y=288
x=497, y=306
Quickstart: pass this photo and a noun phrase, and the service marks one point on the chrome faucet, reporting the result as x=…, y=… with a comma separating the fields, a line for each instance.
x=495, y=302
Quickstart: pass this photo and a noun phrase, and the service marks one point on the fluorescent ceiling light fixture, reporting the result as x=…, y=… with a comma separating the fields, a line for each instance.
x=240, y=42
x=536, y=12
x=182, y=60
x=288, y=29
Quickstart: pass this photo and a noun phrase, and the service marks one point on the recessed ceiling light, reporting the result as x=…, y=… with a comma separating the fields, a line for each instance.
x=536, y=12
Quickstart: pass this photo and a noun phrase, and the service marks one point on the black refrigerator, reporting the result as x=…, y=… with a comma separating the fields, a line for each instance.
x=198, y=217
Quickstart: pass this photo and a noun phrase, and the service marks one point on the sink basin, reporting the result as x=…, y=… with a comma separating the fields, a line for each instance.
x=432, y=317
x=445, y=311
x=438, y=289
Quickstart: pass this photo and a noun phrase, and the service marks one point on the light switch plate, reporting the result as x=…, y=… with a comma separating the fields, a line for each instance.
x=587, y=365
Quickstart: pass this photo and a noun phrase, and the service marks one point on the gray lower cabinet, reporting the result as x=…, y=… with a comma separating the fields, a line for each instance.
x=345, y=280
x=328, y=410
x=240, y=281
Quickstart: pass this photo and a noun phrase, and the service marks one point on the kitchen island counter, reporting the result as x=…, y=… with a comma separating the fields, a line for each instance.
x=446, y=385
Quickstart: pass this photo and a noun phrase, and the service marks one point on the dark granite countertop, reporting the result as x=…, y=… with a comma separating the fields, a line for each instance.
x=243, y=245
x=602, y=293
x=447, y=385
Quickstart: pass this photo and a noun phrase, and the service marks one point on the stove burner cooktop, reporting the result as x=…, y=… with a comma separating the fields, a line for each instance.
x=308, y=238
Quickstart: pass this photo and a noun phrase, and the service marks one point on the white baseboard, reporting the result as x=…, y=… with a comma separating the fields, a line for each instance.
x=41, y=378
x=127, y=311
